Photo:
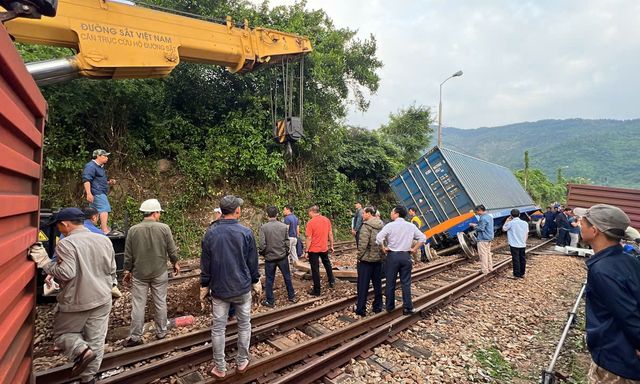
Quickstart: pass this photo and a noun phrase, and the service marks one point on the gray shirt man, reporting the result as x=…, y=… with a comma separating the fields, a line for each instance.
x=274, y=240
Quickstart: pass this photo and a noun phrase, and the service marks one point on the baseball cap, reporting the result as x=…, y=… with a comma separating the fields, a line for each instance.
x=607, y=218
x=100, y=152
x=66, y=214
x=229, y=203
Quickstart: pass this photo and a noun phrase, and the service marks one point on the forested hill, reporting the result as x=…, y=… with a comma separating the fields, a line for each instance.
x=605, y=151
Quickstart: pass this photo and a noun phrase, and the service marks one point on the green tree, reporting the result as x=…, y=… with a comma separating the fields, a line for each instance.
x=541, y=189
x=409, y=130
x=216, y=126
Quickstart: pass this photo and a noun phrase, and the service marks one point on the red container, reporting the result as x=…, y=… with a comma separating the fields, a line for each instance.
x=22, y=116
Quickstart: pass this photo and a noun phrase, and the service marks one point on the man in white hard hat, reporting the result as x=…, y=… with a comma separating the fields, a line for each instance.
x=148, y=247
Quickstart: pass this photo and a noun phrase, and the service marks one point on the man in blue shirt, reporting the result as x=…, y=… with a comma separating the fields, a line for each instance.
x=484, y=236
x=612, y=297
x=294, y=231
x=562, y=221
x=549, y=228
x=517, y=233
x=96, y=186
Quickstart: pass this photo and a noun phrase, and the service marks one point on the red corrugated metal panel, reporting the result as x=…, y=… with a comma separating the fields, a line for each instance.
x=21, y=127
x=582, y=195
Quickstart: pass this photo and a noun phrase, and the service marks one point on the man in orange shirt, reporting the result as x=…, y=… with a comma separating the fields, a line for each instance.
x=319, y=241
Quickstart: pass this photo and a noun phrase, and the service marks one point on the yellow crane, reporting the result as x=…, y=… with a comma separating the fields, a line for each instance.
x=119, y=40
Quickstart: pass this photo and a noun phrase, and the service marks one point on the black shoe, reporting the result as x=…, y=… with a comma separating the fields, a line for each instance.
x=389, y=310
x=268, y=303
x=332, y=284
x=81, y=362
x=294, y=299
x=408, y=312
x=359, y=313
x=377, y=311
x=131, y=343
x=313, y=293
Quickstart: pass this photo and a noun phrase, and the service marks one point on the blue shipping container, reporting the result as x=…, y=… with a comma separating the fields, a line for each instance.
x=444, y=184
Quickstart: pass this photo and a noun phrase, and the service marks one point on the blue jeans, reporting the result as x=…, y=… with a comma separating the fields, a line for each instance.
x=270, y=273
x=242, y=304
x=369, y=272
x=398, y=263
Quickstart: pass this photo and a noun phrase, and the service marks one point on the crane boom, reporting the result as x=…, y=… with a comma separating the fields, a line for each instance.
x=116, y=40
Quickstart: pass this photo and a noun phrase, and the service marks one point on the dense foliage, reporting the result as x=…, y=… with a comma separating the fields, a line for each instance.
x=212, y=129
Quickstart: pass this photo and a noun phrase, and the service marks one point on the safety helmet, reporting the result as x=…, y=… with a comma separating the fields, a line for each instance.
x=151, y=205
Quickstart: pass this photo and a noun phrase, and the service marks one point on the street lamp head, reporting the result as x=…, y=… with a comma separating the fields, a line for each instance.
x=459, y=73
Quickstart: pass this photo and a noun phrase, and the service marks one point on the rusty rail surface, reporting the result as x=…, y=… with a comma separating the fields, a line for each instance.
x=264, y=324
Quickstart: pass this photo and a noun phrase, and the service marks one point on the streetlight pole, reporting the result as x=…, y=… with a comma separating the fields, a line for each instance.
x=459, y=73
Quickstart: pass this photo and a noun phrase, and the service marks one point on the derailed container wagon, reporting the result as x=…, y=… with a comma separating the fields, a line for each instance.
x=444, y=186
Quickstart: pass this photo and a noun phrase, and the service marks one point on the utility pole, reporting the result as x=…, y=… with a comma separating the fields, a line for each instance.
x=526, y=171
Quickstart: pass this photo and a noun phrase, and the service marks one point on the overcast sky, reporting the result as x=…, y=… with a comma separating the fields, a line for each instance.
x=522, y=60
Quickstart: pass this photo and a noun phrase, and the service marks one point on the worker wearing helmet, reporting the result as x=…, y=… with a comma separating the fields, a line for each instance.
x=148, y=247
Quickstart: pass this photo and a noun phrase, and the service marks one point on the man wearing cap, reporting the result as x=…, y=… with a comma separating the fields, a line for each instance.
x=484, y=237
x=91, y=219
x=96, y=186
x=612, y=297
x=229, y=269
x=148, y=247
x=84, y=268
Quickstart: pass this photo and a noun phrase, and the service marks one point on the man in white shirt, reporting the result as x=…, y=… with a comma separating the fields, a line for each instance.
x=396, y=240
x=517, y=233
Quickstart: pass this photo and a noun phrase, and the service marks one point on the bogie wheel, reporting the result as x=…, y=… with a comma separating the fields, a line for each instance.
x=468, y=244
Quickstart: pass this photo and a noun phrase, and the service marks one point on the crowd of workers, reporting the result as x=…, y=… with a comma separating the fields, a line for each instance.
x=85, y=267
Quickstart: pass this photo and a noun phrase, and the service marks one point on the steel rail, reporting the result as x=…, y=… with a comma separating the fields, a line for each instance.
x=61, y=374
x=318, y=367
x=202, y=354
x=265, y=324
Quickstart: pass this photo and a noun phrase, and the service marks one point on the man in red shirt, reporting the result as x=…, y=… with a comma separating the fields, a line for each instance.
x=319, y=242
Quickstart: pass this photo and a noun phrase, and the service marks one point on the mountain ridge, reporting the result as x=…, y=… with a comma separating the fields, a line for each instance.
x=603, y=150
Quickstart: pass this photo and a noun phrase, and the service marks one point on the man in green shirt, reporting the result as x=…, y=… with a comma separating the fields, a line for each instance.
x=148, y=247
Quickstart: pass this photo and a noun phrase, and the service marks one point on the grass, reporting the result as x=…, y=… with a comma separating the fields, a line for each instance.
x=492, y=362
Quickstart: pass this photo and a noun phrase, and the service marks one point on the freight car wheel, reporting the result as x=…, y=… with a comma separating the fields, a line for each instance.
x=467, y=243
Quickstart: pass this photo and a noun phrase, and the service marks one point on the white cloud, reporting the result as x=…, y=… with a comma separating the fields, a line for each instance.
x=522, y=60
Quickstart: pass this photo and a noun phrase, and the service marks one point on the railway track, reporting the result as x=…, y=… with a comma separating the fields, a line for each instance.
x=264, y=325
x=305, y=362
x=193, y=270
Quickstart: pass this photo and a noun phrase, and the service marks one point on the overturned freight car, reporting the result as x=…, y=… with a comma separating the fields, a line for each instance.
x=444, y=186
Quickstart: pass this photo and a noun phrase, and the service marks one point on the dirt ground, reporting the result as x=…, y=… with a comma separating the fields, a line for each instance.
x=503, y=332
